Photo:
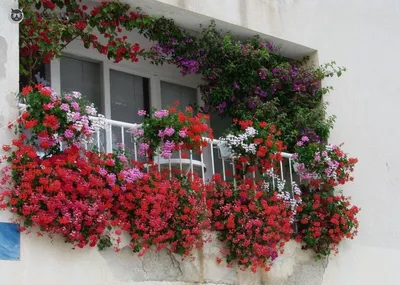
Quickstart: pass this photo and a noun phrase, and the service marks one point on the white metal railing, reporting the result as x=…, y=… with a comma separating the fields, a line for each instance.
x=206, y=164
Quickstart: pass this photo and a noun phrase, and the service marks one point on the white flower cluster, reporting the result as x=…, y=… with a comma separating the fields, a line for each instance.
x=241, y=141
x=292, y=197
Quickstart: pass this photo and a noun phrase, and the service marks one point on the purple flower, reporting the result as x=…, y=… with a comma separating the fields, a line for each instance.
x=141, y=113
x=325, y=153
x=261, y=92
x=221, y=106
x=262, y=73
x=300, y=143
x=161, y=113
x=235, y=85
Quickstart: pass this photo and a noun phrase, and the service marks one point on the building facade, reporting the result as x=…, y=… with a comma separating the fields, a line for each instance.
x=361, y=35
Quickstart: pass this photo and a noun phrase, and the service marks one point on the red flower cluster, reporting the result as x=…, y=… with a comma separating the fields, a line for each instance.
x=42, y=41
x=325, y=220
x=63, y=194
x=253, y=224
x=162, y=212
x=267, y=146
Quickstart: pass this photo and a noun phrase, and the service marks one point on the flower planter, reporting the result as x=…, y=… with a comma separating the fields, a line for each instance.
x=224, y=150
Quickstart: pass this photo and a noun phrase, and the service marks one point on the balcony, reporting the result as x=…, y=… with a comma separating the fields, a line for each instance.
x=212, y=159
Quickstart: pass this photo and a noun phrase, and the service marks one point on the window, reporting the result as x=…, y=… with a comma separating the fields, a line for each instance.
x=129, y=93
x=82, y=76
x=171, y=92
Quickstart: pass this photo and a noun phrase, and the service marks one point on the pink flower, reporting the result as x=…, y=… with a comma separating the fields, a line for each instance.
x=161, y=113
x=76, y=106
x=64, y=107
x=131, y=175
x=167, y=148
x=141, y=113
x=143, y=147
x=49, y=106
x=169, y=131
x=183, y=133
x=122, y=157
x=305, y=139
x=68, y=134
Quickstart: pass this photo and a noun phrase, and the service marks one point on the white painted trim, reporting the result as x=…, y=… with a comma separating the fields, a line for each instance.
x=106, y=89
x=55, y=78
x=180, y=82
x=155, y=93
x=131, y=71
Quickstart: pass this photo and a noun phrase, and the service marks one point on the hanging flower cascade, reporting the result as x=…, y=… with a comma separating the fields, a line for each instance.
x=253, y=220
x=325, y=217
x=53, y=120
x=320, y=163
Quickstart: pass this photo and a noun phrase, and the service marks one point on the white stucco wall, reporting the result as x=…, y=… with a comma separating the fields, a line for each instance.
x=364, y=36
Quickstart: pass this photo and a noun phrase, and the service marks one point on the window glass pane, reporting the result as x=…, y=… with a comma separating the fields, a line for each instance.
x=129, y=93
x=171, y=92
x=84, y=77
x=127, y=96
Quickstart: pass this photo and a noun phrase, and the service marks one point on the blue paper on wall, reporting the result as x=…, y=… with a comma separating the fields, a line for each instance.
x=10, y=241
